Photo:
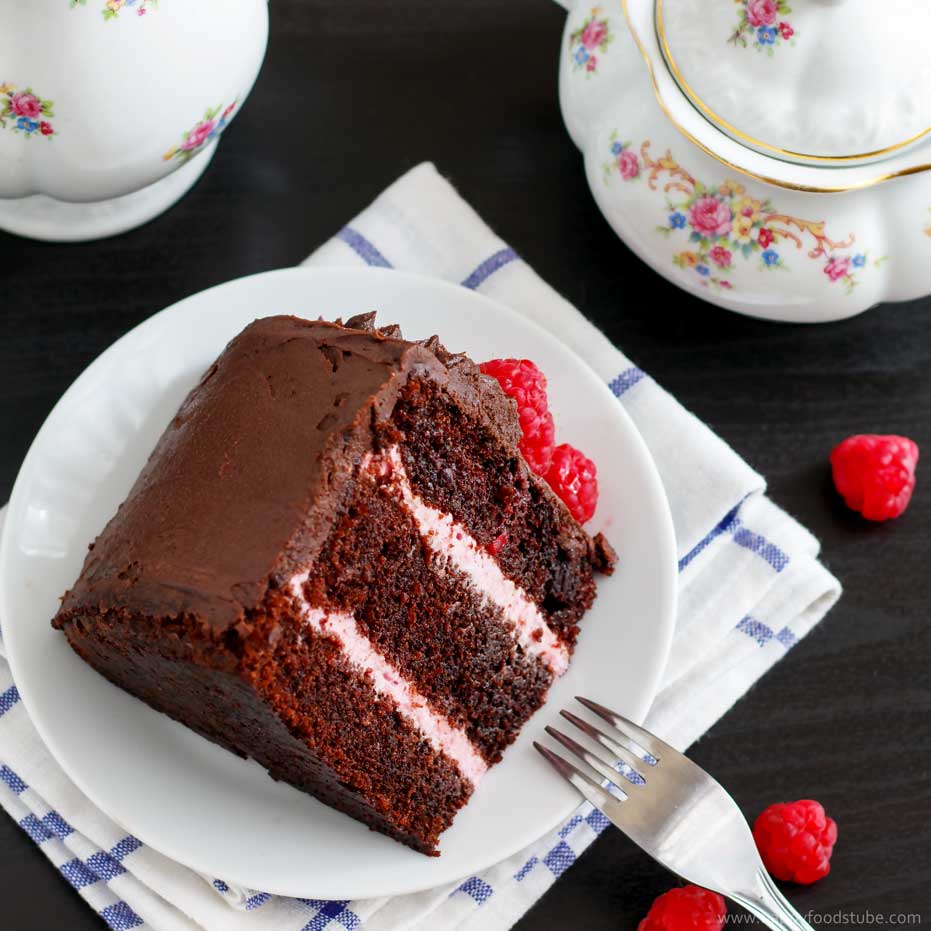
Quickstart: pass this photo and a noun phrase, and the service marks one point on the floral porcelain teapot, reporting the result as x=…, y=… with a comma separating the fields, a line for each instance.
x=111, y=109
x=775, y=161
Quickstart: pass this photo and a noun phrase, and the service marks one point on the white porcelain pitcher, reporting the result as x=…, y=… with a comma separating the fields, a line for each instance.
x=111, y=109
x=770, y=156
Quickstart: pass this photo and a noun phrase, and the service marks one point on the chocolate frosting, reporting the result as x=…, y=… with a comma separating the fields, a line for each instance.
x=243, y=485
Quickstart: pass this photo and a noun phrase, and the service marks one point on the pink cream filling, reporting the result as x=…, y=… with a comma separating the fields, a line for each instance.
x=451, y=541
x=389, y=682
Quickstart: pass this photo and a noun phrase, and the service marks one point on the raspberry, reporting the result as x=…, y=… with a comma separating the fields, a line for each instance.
x=522, y=380
x=875, y=474
x=795, y=840
x=572, y=476
x=536, y=445
x=688, y=908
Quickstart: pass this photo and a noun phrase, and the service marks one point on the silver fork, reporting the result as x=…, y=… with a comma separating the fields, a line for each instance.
x=674, y=810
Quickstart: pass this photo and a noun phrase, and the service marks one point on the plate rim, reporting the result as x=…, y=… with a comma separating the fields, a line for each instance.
x=664, y=629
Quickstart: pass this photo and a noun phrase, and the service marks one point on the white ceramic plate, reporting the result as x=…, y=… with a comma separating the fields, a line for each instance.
x=188, y=798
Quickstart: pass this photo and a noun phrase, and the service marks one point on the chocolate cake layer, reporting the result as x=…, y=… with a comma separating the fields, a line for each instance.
x=455, y=647
x=307, y=727
x=372, y=752
x=487, y=486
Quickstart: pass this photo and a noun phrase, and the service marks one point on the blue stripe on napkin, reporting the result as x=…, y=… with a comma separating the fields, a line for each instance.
x=362, y=247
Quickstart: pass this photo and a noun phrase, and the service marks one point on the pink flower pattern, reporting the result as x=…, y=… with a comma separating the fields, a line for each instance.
x=113, y=8
x=837, y=267
x=628, y=164
x=723, y=223
x=763, y=24
x=721, y=257
x=25, y=104
x=25, y=112
x=204, y=131
x=710, y=217
x=198, y=135
x=593, y=35
x=761, y=12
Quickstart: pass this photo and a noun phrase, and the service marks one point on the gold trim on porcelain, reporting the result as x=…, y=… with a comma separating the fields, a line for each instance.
x=757, y=143
x=787, y=185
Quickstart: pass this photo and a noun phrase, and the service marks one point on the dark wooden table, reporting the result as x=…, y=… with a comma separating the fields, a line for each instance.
x=353, y=94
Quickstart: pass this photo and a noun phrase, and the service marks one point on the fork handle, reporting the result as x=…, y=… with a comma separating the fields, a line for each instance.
x=771, y=906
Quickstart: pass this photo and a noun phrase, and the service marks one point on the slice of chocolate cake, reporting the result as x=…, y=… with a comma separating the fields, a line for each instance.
x=337, y=562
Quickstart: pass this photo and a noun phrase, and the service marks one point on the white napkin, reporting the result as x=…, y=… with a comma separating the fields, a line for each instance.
x=750, y=587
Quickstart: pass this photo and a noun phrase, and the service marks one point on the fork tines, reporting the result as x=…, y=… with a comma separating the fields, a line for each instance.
x=631, y=751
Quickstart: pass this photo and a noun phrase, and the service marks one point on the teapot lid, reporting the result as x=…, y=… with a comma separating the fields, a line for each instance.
x=811, y=81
